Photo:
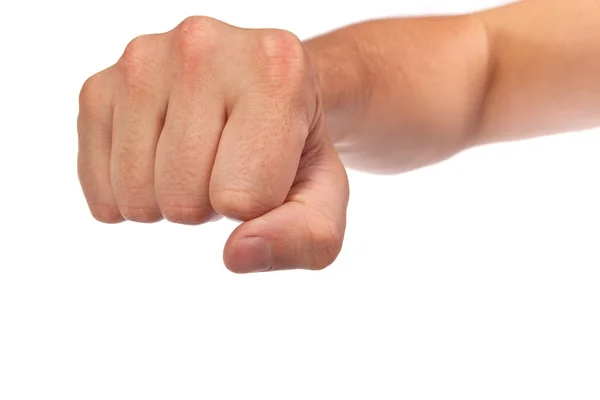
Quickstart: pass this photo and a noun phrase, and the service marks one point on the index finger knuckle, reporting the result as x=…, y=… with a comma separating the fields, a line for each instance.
x=283, y=55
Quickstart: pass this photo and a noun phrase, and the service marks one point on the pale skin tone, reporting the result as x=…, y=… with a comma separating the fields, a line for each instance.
x=211, y=120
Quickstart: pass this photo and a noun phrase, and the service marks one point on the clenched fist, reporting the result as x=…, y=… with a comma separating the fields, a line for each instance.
x=211, y=120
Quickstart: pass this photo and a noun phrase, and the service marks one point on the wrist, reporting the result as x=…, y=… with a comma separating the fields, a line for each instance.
x=342, y=81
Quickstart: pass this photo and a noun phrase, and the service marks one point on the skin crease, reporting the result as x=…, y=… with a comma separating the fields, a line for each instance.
x=211, y=120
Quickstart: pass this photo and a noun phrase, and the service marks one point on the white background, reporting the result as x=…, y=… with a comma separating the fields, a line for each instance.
x=477, y=278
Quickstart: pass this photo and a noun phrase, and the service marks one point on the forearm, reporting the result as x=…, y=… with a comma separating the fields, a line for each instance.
x=545, y=69
x=402, y=93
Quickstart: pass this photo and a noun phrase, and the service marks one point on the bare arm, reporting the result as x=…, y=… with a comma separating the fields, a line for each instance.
x=403, y=93
x=211, y=120
x=545, y=69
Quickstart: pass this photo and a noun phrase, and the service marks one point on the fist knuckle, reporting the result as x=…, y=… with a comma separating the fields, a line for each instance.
x=281, y=45
x=90, y=91
x=239, y=204
x=284, y=54
x=137, y=51
x=197, y=27
x=136, y=60
x=196, y=37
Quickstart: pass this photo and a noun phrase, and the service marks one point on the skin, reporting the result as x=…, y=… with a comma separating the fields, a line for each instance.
x=211, y=120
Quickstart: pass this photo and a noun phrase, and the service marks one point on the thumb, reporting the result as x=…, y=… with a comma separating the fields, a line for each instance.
x=307, y=231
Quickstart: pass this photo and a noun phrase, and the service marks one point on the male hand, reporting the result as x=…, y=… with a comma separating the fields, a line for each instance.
x=211, y=120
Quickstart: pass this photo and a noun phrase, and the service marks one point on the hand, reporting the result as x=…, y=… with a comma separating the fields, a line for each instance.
x=211, y=120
